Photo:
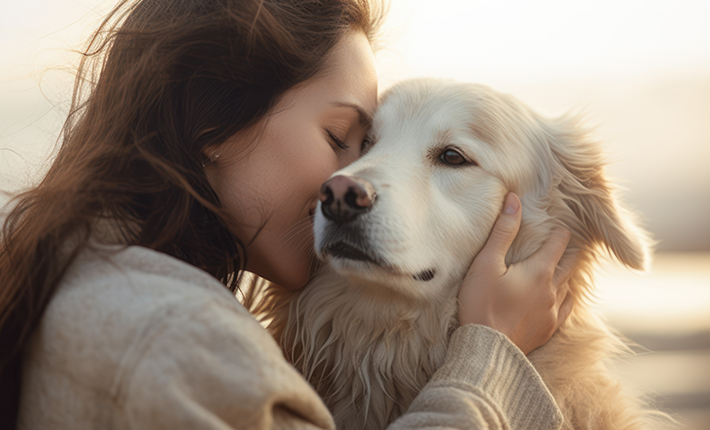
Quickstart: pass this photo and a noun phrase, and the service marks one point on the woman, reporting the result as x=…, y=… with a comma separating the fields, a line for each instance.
x=198, y=138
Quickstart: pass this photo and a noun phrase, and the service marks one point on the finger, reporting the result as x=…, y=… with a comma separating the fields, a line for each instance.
x=552, y=250
x=565, y=268
x=504, y=231
x=565, y=309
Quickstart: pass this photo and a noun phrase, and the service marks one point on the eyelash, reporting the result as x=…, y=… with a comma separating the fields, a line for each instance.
x=340, y=143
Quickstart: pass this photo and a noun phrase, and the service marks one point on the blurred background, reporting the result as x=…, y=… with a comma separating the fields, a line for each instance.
x=640, y=70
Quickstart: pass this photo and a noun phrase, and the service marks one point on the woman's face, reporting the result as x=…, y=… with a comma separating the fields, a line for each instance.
x=317, y=128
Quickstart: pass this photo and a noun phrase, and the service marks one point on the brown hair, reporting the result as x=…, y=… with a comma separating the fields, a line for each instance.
x=159, y=82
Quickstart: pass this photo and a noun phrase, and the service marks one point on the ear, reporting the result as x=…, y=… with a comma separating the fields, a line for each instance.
x=593, y=212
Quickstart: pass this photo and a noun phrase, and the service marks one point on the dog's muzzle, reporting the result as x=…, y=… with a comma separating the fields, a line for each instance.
x=344, y=198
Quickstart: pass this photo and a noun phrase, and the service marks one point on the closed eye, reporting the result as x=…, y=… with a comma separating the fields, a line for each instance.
x=341, y=143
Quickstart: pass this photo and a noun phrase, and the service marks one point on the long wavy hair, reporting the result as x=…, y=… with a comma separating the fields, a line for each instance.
x=159, y=84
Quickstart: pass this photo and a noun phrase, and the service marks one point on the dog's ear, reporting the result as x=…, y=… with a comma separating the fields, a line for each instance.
x=596, y=215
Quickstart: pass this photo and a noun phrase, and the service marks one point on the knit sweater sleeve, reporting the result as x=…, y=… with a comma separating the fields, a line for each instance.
x=486, y=383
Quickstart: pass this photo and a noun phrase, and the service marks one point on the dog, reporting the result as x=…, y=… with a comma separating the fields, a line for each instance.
x=400, y=227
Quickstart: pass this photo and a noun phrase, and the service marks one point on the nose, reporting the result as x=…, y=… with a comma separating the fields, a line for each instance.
x=344, y=198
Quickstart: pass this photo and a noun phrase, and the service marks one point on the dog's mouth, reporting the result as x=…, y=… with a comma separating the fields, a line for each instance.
x=350, y=252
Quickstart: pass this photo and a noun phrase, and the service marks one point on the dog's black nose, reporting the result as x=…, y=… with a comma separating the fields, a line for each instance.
x=343, y=198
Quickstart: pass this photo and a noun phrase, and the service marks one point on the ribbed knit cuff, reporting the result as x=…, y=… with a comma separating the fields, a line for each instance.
x=487, y=359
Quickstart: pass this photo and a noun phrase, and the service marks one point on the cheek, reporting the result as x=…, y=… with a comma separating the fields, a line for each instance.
x=296, y=179
x=465, y=216
x=295, y=171
x=300, y=159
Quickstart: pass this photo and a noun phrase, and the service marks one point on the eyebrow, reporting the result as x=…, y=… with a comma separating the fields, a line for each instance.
x=365, y=117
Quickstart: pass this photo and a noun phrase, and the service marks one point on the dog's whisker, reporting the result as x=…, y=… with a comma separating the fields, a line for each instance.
x=305, y=246
x=294, y=232
x=296, y=229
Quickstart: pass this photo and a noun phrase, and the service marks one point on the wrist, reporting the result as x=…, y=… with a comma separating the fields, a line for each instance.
x=482, y=358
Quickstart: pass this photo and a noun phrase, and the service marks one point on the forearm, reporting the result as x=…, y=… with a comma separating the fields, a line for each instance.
x=486, y=383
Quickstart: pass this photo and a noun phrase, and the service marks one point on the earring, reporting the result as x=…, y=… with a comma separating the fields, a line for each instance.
x=212, y=159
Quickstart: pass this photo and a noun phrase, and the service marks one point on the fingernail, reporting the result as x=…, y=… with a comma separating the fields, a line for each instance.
x=511, y=205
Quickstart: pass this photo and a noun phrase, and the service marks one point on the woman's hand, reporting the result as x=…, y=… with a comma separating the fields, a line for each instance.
x=526, y=301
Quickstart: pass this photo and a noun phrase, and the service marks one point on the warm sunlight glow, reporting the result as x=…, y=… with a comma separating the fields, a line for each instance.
x=674, y=296
x=499, y=40
x=640, y=69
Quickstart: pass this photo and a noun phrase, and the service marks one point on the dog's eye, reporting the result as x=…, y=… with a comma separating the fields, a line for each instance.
x=452, y=158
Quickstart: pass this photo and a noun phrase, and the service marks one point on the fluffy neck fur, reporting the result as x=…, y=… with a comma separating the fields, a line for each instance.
x=367, y=351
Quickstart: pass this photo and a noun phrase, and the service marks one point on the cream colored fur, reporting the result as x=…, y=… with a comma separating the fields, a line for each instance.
x=368, y=337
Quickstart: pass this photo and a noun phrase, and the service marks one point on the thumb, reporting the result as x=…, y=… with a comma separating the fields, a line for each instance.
x=504, y=231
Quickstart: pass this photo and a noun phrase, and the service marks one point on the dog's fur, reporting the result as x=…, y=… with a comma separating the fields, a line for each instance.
x=368, y=336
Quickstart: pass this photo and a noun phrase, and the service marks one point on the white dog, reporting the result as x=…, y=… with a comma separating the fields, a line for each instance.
x=401, y=226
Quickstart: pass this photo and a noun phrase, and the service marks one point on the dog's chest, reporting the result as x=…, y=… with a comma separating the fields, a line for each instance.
x=365, y=359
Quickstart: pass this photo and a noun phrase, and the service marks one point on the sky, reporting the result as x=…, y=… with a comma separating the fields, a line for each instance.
x=640, y=70
x=522, y=40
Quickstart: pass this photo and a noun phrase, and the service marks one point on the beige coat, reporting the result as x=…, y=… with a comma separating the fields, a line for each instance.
x=136, y=339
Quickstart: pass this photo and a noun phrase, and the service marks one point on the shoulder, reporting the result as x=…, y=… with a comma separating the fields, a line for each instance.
x=113, y=304
x=117, y=294
x=135, y=274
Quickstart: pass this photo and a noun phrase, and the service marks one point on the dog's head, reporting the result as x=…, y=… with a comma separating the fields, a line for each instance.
x=413, y=212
